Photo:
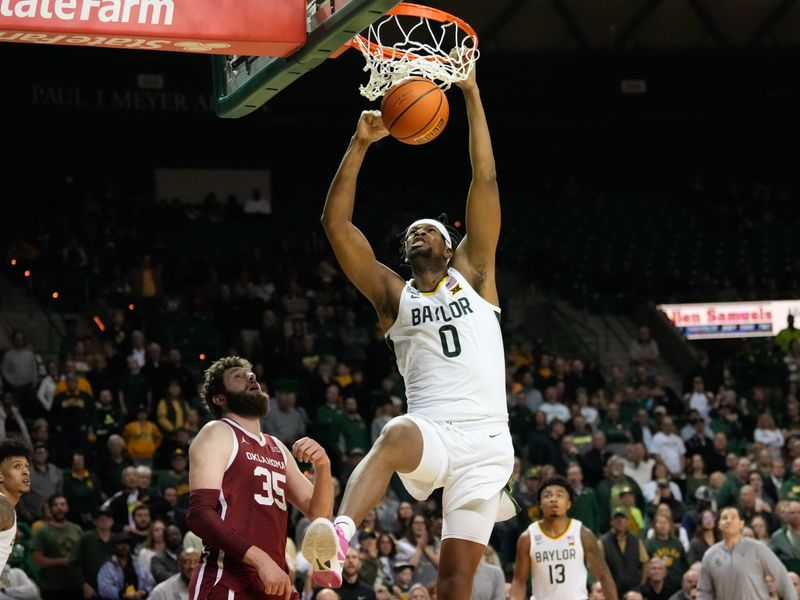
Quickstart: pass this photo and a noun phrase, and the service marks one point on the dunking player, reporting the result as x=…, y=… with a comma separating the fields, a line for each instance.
x=241, y=480
x=554, y=550
x=15, y=480
x=444, y=327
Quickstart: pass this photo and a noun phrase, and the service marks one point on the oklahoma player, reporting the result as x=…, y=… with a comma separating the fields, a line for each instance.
x=241, y=480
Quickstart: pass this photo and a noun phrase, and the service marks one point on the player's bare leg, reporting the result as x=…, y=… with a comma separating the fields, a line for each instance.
x=458, y=561
x=398, y=449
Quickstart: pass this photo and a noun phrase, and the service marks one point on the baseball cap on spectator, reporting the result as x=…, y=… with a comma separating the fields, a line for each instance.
x=619, y=512
x=703, y=493
x=178, y=452
x=403, y=565
x=662, y=483
x=102, y=511
x=122, y=537
x=625, y=489
x=369, y=533
x=534, y=473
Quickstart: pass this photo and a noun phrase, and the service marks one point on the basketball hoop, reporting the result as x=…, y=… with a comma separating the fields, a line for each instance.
x=416, y=41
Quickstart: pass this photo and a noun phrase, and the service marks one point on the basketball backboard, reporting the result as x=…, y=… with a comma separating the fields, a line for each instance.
x=244, y=83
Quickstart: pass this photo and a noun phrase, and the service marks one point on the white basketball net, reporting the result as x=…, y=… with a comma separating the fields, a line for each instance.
x=439, y=51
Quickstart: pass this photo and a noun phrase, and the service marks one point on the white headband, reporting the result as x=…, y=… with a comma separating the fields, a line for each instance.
x=442, y=229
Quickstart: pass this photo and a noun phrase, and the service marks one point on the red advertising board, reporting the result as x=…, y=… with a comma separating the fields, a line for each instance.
x=245, y=27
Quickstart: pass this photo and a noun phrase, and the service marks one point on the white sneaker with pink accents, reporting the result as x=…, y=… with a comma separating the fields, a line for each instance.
x=325, y=548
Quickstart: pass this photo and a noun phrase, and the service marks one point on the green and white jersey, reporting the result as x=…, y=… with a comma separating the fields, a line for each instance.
x=449, y=350
x=557, y=565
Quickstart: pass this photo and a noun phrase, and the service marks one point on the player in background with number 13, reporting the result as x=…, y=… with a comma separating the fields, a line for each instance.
x=556, y=551
x=241, y=482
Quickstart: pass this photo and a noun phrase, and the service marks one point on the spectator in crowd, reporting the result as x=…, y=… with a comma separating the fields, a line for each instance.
x=178, y=476
x=552, y=407
x=625, y=553
x=489, y=580
x=121, y=577
x=353, y=588
x=112, y=463
x=121, y=502
x=285, y=420
x=82, y=491
x=385, y=410
x=608, y=491
x=403, y=574
x=643, y=351
x=368, y=552
x=728, y=494
x=785, y=541
x=669, y=448
x=664, y=545
x=425, y=555
x=176, y=587
x=706, y=534
x=786, y=335
x=638, y=466
x=142, y=521
x=699, y=398
x=142, y=437
x=51, y=548
x=655, y=586
x=594, y=460
x=154, y=544
x=107, y=419
x=134, y=390
x=176, y=371
x=12, y=424
x=165, y=507
x=47, y=386
x=93, y=550
x=688, y=585
x=767, y=433
x=167, y=562
x=46, y=480
x=387, y=552
x=172, y=411
x=20, y=372
x=72, y=413
x=584, y=504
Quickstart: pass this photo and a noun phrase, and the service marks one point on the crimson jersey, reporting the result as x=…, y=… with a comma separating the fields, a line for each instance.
x=252, y=502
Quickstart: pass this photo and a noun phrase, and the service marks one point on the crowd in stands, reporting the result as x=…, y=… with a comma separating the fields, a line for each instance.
x=111, y=415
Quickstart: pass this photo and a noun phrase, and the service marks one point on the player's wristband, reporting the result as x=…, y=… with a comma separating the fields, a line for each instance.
x=204, y=521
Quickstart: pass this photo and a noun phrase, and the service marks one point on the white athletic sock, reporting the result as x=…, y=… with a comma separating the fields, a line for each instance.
x=347, y=526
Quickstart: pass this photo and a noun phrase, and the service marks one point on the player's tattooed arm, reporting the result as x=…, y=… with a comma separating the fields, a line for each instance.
x=597, y=564
x=6, y=513
x=522, y=567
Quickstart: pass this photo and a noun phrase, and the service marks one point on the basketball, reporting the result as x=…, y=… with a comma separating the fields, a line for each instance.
x=415, y=110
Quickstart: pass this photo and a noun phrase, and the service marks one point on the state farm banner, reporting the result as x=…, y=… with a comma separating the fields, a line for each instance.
x=704, y=321
x=244, y=27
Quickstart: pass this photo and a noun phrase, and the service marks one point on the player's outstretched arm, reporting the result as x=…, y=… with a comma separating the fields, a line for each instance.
x=597, y=564
x=353, y=251
x=476, y=253
x=522, y=567
x=313, y=500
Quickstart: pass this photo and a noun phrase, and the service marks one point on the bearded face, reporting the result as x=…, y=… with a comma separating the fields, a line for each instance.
x=248, y=404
